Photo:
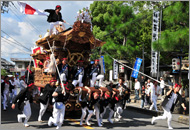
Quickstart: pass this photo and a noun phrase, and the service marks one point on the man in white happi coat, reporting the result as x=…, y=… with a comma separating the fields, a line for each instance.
x=17, y=84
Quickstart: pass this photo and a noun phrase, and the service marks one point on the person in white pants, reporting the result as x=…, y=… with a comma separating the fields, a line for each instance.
x=46, y=97
x=55, y=17
x=24, y=98
x=63, y=70
x=89, y=103
x=78, y=73
x=17, y=83
x=6, y=87
x=22, y=83
x=13, y=93
x=105, y=103
x=170, y=101
x=155, y=93
x=60, y=99
x=121, y=103
x=95, y=73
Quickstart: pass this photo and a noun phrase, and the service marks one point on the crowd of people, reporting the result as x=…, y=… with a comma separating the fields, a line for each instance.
x=149, y=92
x=93, y=103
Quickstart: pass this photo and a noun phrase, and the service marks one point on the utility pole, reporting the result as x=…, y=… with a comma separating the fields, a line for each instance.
x=143, y=57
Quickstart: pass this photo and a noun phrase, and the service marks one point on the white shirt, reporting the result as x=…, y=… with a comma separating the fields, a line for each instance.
x=147, y=90
x=162, y=84
x=23, y=84
x=137, y=85
x=17, y=82
x=12, y=82
x=151, y=84
x=154, y=90
x=2, y=80
x=6, y=89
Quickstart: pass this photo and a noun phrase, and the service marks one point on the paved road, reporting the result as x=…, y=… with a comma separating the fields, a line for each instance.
x=132, y=120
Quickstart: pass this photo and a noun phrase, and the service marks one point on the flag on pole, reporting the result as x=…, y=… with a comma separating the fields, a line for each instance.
x=136, y=68
x=27, y=9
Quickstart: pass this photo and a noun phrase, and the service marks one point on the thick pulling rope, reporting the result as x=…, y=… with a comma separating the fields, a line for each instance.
x=135, y=70
x=57, y=68
x=69, y=24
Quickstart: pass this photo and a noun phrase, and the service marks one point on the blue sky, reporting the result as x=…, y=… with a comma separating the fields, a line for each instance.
x=26, y=29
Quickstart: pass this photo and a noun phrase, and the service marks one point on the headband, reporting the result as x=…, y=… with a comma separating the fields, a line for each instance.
x=52, y=81
x=67, y=88
x=64, y=59
x=116, y=98
x=175, y=85
x=107, y=95
x=30, y=84
x=179, y=86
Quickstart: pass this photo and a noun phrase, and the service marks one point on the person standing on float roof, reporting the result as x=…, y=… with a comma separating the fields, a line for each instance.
x=55, y=17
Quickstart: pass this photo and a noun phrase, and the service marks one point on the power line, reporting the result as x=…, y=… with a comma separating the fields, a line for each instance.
x=11, y=43
x=27, y=19
x=18, y=43
x=24, y=19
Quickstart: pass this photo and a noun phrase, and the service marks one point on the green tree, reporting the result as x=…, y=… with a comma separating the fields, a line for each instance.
x=175, y=34
x=116, y=17
x=4, y=72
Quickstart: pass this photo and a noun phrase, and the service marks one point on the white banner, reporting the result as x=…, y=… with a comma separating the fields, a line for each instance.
x=115, y=70
x=154, y=54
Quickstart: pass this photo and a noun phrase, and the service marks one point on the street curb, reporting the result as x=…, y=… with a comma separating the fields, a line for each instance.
x=145, y=111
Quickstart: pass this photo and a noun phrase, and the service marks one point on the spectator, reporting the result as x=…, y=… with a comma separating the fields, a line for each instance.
x=149, y=83
x=137, y=87
x=142, y=97
x=155, y=93
x=142, y=81
x=162, y=85
x=147, y=94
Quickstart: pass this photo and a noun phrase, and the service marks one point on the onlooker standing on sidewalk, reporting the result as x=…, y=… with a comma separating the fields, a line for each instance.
x=137, y=87
x=162, y=85
x=155, y=93
x=149, y=83
x=170, y=101
x=142, y=96
x=147, y=94
x=142, y=81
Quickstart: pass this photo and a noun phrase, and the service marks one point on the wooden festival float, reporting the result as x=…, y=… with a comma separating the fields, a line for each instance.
x=74, y=43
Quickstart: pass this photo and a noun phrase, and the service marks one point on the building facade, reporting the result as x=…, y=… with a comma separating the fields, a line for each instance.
x=20, y=65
